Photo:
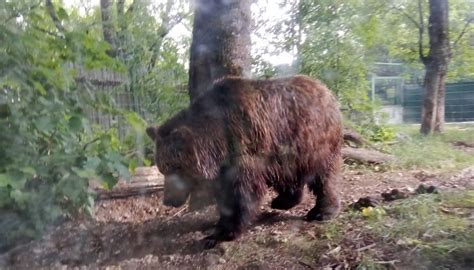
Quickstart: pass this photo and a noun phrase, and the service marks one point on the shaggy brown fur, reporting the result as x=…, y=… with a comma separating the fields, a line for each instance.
x=247, y=135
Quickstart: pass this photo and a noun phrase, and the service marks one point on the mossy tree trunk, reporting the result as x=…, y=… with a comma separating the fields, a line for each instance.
x=220, y=42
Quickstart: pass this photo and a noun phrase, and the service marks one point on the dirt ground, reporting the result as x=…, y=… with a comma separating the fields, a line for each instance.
x=141, y=233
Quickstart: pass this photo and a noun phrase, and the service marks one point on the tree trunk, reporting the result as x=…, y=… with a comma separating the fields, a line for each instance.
x=436, y=65
x=430, y=101
x=108, y=28
x=439, y=120
x=221, y=42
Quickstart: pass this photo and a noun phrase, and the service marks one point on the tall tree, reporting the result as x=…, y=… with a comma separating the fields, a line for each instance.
x=220, y=42
x=436, y=65
x=108, y=25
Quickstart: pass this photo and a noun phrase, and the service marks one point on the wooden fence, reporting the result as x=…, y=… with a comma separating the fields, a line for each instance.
x=112, y=85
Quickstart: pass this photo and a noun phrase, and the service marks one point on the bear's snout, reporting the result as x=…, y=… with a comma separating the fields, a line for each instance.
x=176, y=191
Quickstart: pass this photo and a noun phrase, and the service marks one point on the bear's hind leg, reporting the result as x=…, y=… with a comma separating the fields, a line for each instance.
x=287, y=198
x=327, y=200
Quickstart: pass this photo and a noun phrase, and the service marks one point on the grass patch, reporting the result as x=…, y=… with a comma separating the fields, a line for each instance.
x=436, y=151
x=430, y=231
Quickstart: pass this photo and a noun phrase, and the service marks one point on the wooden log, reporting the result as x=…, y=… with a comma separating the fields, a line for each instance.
x=128, y=191
x=354, y=137
x=365, y=156
x=146, y=180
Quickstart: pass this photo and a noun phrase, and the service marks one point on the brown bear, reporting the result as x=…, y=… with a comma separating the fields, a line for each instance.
x=244, y=136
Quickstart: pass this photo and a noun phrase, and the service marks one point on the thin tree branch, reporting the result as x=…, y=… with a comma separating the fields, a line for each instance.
x=48, y=32
x=167, y=24
x=419, y=24
x=404, y=13
x=54, y=16
x=464, y=30
x=421, y=29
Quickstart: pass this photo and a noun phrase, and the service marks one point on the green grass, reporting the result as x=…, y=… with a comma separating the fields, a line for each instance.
x=436, y=151
x=429, y=231
x=436, y=229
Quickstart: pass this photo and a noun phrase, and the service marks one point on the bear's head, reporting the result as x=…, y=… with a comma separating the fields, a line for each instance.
x=175, y=157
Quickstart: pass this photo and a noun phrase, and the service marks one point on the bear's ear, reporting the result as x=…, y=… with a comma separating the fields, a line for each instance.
x=152, y=132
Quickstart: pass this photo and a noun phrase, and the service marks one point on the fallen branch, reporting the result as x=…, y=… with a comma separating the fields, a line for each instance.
x=463, y=144
x=366, y=247
x=365, y=156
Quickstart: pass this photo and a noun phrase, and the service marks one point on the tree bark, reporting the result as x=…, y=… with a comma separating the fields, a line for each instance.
x=108, y=28
x=436, y=65
x=440, y=102
x=221, y=42
x=430, y=101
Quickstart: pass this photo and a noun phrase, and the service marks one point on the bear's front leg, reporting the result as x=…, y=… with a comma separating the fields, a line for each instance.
x=239, y=190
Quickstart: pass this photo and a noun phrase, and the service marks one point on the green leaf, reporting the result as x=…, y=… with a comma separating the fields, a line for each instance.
x=4, y=111
x=18, y=179
x=19, y=197
x=4, y=180
x=44, y=125
x=137, y=123
x=28, y=170
x=40, y=88
x=92, y=163
x=123, y=171
x=115, y=164
x=62, y=14
x=108, y=181
x=132, y=165
x=87, y=173
x=75, y=123
x=147, y=162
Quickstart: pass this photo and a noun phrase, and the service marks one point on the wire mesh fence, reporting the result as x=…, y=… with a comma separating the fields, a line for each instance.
x=459, y=105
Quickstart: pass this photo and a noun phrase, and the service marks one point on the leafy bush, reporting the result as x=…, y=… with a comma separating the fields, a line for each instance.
x=48, y=152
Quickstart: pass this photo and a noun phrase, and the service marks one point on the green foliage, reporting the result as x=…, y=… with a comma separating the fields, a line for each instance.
x=382, y=134
x=48, y=152
x=339, y=42
x=399, y=36
x=155, y=63
x=163, y=91
x=335, y=50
